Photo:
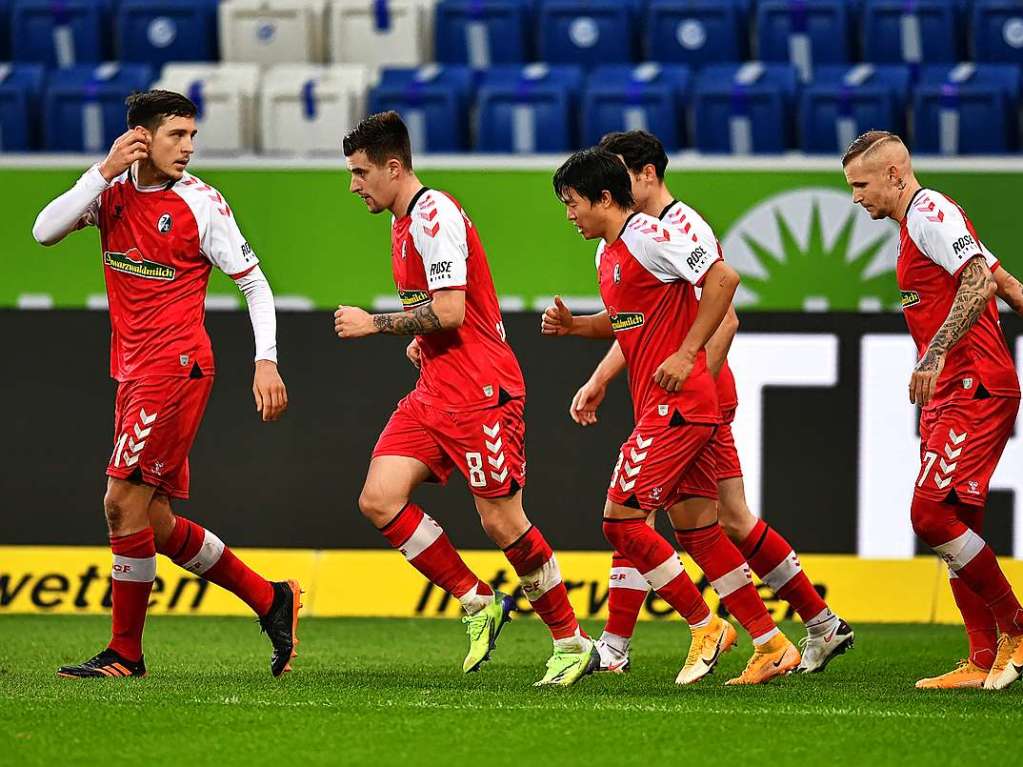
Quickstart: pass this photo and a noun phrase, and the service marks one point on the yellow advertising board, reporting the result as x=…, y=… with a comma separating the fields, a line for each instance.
x=75, y=580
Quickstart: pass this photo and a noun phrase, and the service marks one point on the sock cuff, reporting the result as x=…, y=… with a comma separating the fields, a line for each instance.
x=404, y=524
x=137, y=545
x=530, y=552
x=752, y=543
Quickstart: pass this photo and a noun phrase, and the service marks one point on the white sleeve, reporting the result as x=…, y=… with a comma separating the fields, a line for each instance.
x=438, y=232
x=222, y=241
x=260, y=299
x=939, y=229
x=671, y=254
x=76, y=208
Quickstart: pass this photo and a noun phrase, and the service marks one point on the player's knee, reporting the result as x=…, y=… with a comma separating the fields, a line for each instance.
x=932, y=520
x=115, y=511
x=378, y=507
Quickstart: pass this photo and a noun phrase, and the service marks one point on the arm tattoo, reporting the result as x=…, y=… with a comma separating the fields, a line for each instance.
x=415, y=323
x=970, y=300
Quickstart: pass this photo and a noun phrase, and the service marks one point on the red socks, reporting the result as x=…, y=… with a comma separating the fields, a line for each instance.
x=132, y=577
x=427, y=548
x=970, y=558
x=773, y=560
x=626, y=593
x=538, y=571
x=201, y=552
x=658, y=561
x=981, y=629
x=729, y=575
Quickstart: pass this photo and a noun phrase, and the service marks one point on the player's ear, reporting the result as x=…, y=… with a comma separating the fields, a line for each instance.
x=393, y=168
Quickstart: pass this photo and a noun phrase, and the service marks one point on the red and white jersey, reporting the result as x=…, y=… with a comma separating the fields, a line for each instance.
x=159, y=246
x=936, y=241
x=435, y=246
x=681, y=216
x=647, y=278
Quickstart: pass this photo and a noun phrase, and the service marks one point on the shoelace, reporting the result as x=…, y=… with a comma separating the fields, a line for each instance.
x=477, y=624
x=1002, y=654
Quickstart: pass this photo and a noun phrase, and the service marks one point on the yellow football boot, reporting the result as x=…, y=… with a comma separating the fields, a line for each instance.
x=965, y=675
x=773, y=658
x=708, y=644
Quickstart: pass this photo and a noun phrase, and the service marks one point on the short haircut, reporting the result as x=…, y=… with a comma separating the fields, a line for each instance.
x=638, y=148
x=150, y=108
x=867, y=143
x=590, y=173
x=382, y=136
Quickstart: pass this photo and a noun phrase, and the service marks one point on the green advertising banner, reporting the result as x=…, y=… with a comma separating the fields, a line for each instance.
x=789, y=228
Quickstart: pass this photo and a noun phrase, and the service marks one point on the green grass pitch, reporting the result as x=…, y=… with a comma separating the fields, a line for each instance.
x=381, y=692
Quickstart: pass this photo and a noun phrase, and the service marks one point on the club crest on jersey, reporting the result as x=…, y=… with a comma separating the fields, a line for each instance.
x=410, y=299
x=134, y=263
x=164, y=224
x=909, y=298
x=618, y=273
x=626, y=321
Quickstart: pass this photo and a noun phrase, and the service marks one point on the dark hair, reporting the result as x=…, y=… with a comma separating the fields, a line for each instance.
x=867, y=142
x=150, y=108
x=382, y=136
x=638, y=148
x=590, y=173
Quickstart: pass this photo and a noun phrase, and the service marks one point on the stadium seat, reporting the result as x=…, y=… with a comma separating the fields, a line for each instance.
x=480, y=33
x=694, y=32
x=58, y=34
x=433, y=101
x=586, y=32
x=272, y=31
x=743, y=108
x=157, y=31
x=307, y=109
x=226, y=95
x=804, y=33
x=997, y=27
x=379, y=33
x=967, y=109
x=910, y=31
x=21, y=89
x=648, y=97
x=84, y=105
x=528, y=109
x=844, y=101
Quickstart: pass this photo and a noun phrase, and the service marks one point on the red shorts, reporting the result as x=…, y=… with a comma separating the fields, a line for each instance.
x=723, y=446
x=960, y=445
x=155, y=423
x=486, y=446
x=659, y=464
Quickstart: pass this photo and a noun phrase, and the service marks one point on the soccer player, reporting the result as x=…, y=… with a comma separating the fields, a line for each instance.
x=162, y=230
x=466, y=412
x=966, y=384
x=768, y=553
x=647, y=272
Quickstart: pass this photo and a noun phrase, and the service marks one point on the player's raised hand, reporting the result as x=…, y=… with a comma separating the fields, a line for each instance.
x=925, y=377
x=353, y=322
x=674, y=371
x=269, y=390
x=414, y=354
x=585, y=403
x=130, y=146
x=557, y=320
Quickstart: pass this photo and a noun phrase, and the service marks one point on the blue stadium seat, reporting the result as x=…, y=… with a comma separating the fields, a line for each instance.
x=587, y=32
x=744, y=108
x=997, y=31
x=804, y=33
x=157, y=31
x=482, y=32
x=58, y=34
x=21, y=87
x=648, y=97
x=910, y=31
x=694, y=32
x=528, y=109
x=967, y=109
x=84, y=105
x=434, y=102
x=844, y=101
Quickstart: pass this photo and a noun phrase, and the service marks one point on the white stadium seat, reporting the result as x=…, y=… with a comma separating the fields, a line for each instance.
x=272, y=31
x=307, y=109
x=395, y=33
x=227, y=98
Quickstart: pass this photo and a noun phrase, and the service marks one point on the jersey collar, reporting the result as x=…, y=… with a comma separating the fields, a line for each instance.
x=911, y=200
x=415, y=198
x=667, y=207
x=626, y=224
